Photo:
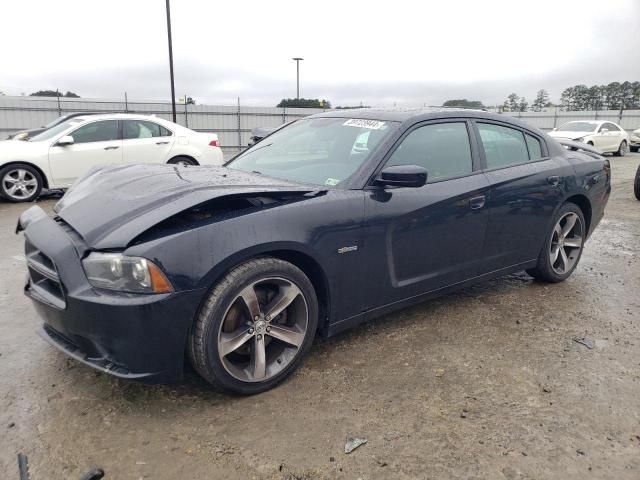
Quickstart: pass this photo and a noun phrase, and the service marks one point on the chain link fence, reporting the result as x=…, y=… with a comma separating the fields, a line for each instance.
x=233, y=124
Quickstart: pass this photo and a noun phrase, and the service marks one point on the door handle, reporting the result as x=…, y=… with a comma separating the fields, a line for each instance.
x=477, y=202
x=554, y=180
x=162, y=143
x=111, y=147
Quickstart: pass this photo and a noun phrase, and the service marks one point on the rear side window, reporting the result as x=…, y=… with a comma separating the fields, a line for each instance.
x=443, y=149
x=143, y=129
x=103, y=131
x=535, y=150
x=503, y=146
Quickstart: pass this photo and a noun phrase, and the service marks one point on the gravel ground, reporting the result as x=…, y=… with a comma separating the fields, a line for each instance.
x=484, y=383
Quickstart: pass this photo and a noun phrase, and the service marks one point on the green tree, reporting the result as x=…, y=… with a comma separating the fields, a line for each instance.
x=512, y=103
x=541, y=101
x=463, y=102
x=523, y=104
x=53, y=93
x=303, y=103
x=612, y=95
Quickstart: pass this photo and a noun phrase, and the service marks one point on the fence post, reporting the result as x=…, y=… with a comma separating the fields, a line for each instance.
x=186, y=115
x=239, y=125
x=126, y=103
x=620, y=114
x=58, y=99
x=555, y=117
x=284, y=115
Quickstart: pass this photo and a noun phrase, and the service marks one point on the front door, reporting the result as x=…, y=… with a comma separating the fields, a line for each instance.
x=429, y=237
x=95, y=144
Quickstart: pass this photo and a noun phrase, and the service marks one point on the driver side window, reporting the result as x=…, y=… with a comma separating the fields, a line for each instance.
x=103, y=131
x=443, y=149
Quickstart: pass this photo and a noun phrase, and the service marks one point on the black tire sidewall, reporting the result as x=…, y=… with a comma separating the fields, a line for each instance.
x=544, y=270
x=636, y=184
x=212, y=316
x=4, y=170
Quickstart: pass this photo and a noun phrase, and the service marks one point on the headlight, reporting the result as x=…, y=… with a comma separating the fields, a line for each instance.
x=115, y=271
x=581, y=139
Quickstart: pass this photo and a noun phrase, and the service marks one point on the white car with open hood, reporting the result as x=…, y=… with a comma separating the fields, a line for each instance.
x=58, y=156
x=605, y=136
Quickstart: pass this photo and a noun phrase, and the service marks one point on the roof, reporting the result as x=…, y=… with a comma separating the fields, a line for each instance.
x=402, y=114
x=117, y=115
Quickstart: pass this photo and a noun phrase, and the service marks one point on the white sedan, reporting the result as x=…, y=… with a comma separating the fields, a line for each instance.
x=605, y=136
x=58, y=156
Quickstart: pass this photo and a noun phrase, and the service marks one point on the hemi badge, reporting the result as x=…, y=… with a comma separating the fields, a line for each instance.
x=348, y=249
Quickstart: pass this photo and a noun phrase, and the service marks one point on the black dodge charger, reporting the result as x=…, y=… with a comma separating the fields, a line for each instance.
x=326, y=223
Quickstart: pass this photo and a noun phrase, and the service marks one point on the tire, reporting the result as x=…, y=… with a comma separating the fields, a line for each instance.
x=226, y=338
x=554, y=267
x=622, y=149
x=636, y=184
x=182, y=160
x=20, y=182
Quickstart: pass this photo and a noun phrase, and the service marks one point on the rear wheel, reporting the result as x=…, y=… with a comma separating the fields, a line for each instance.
x=20, y=183
x=562, y=249
x=622, y=149
x=636, y=184
x=181, y=160
x=255, y=327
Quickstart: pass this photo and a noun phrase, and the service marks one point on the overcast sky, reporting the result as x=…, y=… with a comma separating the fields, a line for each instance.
x=379, y=53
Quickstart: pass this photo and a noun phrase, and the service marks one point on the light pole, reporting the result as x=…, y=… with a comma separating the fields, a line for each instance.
x=297, y=59
x=173, y=89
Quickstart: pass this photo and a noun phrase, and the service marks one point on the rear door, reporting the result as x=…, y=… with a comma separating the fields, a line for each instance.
x=429, y=237
x=145, y=141
x=95, y=144
x=526, y=188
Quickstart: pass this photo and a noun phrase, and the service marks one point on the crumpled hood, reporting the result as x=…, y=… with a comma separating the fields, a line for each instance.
x=569, y=135
x=111, y=206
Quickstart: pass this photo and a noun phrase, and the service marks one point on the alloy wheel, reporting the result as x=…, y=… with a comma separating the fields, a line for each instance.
x=623, y=148
x=566, y=243
x=263, y=329
x=19, y=183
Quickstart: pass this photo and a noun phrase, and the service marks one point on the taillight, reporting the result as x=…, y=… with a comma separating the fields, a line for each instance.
x=214, y=143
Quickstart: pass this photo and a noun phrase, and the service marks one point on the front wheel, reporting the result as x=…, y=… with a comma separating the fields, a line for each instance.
x=622, y=149
x=636, y=184
x=255, y=326
x=20, y=183
x=562, y=249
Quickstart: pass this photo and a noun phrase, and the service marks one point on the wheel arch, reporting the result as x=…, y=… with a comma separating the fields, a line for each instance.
x=185, y=156
x=583, y=202
x=45, y=179
x=296, y=254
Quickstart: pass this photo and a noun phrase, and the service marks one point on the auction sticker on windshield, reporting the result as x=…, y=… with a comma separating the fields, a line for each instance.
x=362, y=123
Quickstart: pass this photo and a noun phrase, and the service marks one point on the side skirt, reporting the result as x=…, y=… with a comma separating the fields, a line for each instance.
x=350, y=322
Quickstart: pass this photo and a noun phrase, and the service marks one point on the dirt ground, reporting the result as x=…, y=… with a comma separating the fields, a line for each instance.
x=484, y=383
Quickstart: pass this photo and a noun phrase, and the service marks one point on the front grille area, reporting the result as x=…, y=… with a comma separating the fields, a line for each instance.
x=44, y=281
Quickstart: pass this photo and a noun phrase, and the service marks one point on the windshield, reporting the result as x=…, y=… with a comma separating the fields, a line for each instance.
x=322, y=151
x=578, y=127
x=53, y=123
x=53, y=131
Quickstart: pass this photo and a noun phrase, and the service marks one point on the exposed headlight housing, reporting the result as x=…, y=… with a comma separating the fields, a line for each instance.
x=115, y=271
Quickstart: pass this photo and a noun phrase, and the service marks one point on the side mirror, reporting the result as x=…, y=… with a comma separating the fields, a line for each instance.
x=604, y=130
x=402, y=176
x=555, y=129
x=64, y=141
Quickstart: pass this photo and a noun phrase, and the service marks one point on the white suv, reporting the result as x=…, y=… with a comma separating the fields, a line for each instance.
x=605, y=136
x=58, y=156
